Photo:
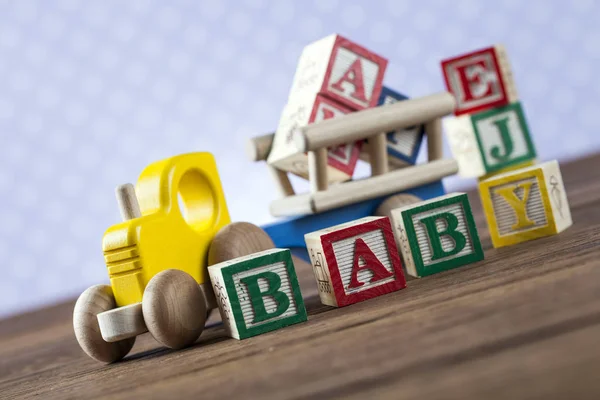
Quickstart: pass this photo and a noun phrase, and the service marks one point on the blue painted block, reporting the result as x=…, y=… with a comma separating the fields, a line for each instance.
x=403, y=145
x=289, y=233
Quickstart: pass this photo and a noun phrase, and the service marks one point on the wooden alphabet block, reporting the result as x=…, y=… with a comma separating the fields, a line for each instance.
x=341, y=160
x=355, y=261
x=480, y=80
x=342, y=70
x=437, y=235
x=490, y=141
x=258, y=293
x=402, y=145
x=525, y=204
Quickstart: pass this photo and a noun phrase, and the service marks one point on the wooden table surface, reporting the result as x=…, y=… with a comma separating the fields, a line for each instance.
x=522, y=324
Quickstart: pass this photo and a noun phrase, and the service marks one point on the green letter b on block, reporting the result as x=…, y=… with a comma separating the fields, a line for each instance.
x=435, y=236
x=257, y=296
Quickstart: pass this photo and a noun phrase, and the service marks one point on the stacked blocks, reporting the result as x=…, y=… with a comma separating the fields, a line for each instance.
x=258, y=293
x=355, y=261
x=525, y=204
x=490, y=131
x=402, y=145
x=341, y=75
x=437, y=235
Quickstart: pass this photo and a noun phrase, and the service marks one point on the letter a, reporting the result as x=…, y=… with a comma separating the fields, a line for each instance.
x=519, y=205
x=354, y=75
x=257, y=296
x=371, y=262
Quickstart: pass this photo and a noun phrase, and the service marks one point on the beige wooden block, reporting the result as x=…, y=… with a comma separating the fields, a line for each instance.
x=355, y=261
x=525, y=204
x=341, y=159
x=258, y=293
x=340, y=69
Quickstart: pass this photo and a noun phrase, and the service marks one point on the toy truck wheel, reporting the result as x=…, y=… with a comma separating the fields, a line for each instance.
x=92, y=302
x=395, y=201
x=174, y=308
x=238, y=239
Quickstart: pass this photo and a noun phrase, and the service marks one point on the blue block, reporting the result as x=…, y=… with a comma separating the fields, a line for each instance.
x=403, y=144
x=289, y=233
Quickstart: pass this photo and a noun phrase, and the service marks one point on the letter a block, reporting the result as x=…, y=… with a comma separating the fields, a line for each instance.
x=480, y=80
x=525, y=204
x=341, y=160
x=341, y=70
x=355, y=261
x=258, y=293
x=437, y=235
x=490, y=141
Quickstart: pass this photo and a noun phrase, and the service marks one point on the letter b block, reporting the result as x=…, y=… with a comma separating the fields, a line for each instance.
x=490, y=141
x=525, y=204
x=258, y=293
x=437, y=235
x=355, y=261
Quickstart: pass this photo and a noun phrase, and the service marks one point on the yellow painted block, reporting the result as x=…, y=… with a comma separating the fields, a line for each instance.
x=183, y=207
x=525, y=204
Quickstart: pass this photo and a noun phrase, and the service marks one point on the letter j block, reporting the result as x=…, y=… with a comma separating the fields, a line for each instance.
x=437, y=235
x=355, y=261
x=525, y=204
x=258, y=293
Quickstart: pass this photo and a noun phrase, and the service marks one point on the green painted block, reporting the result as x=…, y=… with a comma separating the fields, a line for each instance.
x=258, y=293
x=490, y=141
x=437, y=235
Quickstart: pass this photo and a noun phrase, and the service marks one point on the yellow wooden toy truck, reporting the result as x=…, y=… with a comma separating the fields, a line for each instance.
x=157, y=259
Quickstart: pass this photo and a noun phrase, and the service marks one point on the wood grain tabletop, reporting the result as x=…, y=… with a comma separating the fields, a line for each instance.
x=522, y=324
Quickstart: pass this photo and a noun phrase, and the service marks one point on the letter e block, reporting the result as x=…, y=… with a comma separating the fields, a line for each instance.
x=402, y=145
x=258, y=293
x=525, y=204
x=342, y=70
x=355, y=261
x=490, y=141
x=437, y=235
x=480, y=80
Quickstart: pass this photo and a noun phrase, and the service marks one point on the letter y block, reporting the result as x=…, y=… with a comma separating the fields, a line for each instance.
x=525, y=204
x=258, y=293
x=437, y=235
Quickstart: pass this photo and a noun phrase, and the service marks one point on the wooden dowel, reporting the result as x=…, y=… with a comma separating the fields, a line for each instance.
x=128, y=203
x=282, y=181
x=364, y=124
x=317, y=170
x=258, y=148
x=378, y=156
x=435, y=142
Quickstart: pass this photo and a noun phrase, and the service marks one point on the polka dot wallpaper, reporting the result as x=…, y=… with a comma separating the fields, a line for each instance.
x=91, y=91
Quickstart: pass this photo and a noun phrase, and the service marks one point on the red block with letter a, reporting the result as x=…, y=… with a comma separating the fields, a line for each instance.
x=480, y=80
x=305, y=110
x=342, y=70
x=355, y=261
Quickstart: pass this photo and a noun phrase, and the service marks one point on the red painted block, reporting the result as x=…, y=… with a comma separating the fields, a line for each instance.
x=303, y=111
x=342, y=70
x=480, y=80
x=355, y=261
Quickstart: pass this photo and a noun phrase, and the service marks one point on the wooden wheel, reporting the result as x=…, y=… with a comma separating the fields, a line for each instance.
x=174, y=308
x=395, y=201
x=236, y=240
x=92, y=302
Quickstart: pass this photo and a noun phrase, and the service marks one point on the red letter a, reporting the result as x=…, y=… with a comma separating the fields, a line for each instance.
x=353, y=75
x=371, y=262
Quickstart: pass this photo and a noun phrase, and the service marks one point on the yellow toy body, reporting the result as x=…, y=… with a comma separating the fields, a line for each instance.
x=183, y=207
x=525, y=204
